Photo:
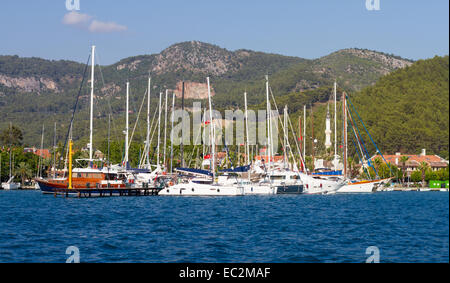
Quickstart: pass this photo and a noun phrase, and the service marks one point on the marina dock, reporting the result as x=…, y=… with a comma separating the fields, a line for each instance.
x=107, y=192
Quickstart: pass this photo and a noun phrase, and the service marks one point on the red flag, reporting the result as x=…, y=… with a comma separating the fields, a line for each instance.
x=207, y=122
x=208, y=156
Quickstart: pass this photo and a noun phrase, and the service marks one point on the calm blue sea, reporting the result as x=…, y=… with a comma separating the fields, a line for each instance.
x=404, y=226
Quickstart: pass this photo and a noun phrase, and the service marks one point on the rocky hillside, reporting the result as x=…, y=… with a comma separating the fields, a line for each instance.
x=35, y=91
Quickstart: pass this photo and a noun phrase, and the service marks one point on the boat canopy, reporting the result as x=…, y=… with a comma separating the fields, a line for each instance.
x=194, y=171
x=240, y=169
x=328, y=173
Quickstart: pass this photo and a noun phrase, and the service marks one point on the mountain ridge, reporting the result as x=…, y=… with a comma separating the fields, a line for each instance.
x=53, y=85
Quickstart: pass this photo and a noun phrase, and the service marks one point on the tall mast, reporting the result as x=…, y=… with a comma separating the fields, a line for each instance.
x=40, y=155
x=213, y=143
x=304, y=136
x=269, y=144
x=204, y=134
x=126, y=126
x=109, y=139
x=54, y=154
x=171, y=133
x=335, y=126
x=300, y=139
x=10, y=148
x=147, y=153
x=312, y=138
x=182, y=126
x=92, y=104
x=285, y=135
x=344, y=137
x=159, y=128
x=246, y=130
x=165, y=132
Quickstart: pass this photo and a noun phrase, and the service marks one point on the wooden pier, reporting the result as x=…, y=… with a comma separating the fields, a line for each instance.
x=107, y=192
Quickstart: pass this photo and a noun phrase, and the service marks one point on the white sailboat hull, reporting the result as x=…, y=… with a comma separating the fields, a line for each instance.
x=368, y=187
x=259, y=190
x=10, y=186
x=193, y=189
x=315, y=186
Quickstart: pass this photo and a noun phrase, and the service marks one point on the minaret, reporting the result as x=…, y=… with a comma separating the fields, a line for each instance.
x=328, y=129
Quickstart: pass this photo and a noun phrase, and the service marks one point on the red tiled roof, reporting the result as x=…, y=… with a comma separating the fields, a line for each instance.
x=45, y=153
x=414, y=160
x=274, y=158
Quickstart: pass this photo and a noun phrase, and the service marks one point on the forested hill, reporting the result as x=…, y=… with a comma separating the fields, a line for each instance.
x=409, y=109
x=35, y=91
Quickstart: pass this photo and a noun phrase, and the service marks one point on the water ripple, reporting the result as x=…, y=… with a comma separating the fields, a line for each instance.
x=405, y=226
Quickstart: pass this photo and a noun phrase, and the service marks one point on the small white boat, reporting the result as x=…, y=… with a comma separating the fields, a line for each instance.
x=424, y=190
x=10, y=185
x=443, y=190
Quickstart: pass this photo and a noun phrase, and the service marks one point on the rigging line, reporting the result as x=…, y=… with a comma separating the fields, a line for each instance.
x=366, y=152
x=362, y=157
x=152, y=131
x=369, y=135
x=108, y=100
x=357, y=139
x=296, y=143
x=364, y=167
x=75, y=106
x=195, y=144
x=137, y=119
x=97, y=99
x=288, y=143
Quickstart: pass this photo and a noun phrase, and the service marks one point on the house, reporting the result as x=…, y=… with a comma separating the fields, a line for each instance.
x=44, y=153
x=434, y=161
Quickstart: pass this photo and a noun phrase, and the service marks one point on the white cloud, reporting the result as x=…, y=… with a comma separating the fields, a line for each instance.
x=86, y=21
x=76, y=19
x=103, y=27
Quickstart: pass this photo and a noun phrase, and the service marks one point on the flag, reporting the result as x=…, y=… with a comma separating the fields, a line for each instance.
x=208, y=156
x=207, y=122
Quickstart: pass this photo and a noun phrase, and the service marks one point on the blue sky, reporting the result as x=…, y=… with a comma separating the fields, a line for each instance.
x=310, y=29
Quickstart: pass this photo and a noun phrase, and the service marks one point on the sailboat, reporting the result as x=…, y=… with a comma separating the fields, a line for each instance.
x=10, y=184
x=294, y=181
x=351, y=186
x=262, y=187
x=144, y=176
x=203, y=186
x=90, y=177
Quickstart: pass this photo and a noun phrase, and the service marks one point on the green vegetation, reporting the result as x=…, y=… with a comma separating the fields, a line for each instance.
x=409, y=109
